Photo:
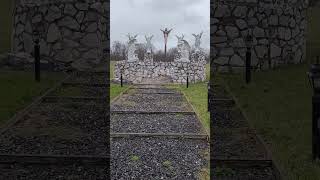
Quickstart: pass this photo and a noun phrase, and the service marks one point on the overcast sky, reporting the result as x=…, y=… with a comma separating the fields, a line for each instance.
x=147, y=17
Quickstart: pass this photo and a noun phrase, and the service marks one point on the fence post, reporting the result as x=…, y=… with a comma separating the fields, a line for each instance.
x=37, y=60
x=248, y=66
x=188, y=80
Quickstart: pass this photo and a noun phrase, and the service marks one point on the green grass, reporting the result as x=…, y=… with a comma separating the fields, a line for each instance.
x=197, y=94
x=19, y=88
x=115, y=89
x=278, y=105
x=134, y=158
x=5, y=24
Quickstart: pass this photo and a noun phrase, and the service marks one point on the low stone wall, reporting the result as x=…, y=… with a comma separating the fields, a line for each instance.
x=73, y=32
x=278, y=29
x=177, y=71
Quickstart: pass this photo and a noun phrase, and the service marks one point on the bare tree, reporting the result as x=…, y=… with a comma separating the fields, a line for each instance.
x=118, y=51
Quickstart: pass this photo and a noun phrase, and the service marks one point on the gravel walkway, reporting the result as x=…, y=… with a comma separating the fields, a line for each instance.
x=91, y=78
x=236, y=144
x=56, y=172
x=147, y=158
x=234, y=140
x=151, y=91
x=157, y=158
x=155, y=123
x=243, y=174
x=151, y=102
x=68, y=129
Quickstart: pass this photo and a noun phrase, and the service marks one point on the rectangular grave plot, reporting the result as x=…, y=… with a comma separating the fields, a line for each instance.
x=80, y=91
x=58, y=129
x=151, y=102
x=237, y=144
x=155, y=123
x=153, y=158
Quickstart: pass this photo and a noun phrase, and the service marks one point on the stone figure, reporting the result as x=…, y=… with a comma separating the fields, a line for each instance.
x=148, y=57
x=166, y=35
x=183, y=50
x=149, y=44
x=132, y=55
x=197, y=40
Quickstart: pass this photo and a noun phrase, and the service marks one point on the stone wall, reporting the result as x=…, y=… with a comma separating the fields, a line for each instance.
x=73, y=32
x=278, y=29
x=177, y=71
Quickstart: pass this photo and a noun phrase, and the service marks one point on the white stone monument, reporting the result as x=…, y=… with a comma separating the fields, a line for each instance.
x=132, y=55
x=183, y=50
x=197, y=41
x=148, y=57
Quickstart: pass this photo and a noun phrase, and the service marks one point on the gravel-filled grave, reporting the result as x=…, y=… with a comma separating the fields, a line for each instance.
x=59, y=129
x=59, y=172
x=151, y=102
x=236, y=144
x=258, y=173
x=155, y=123
x=157, y=158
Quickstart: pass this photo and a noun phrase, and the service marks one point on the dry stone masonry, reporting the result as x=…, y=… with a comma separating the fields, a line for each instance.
x=278, y=28
x=133, y=70
x=72, y=32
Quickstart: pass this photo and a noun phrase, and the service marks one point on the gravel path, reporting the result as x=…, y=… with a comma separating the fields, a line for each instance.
x=57, y=172
x=228, y=119
x=92, y=78
x=151, y=91
x=84, y=91
x=233, y=139
x=151, y=102
x=68, y=129
x=147, y=158
x=236, y=144
x=157, y=158
x=155, y=123
x=243, y=174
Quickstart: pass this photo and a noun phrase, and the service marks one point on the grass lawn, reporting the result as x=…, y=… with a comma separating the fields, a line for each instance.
x=115, y=89
x=19, y=88
x=278, y=105
x=197, y=94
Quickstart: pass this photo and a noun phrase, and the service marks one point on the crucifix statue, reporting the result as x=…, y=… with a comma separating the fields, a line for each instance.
x=165, y=34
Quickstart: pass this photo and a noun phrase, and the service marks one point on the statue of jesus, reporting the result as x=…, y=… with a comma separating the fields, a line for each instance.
x=165, y=34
